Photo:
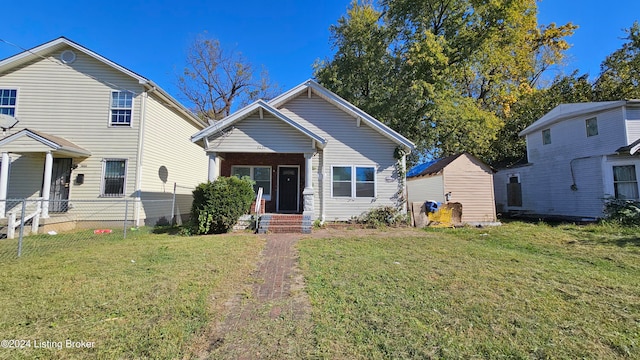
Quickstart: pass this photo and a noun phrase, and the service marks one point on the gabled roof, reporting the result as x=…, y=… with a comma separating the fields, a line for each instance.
x=346, y=107
x=435, y=167
x=61, y=42
x=566, y=111
x=54, y=142
x=431, y=167
x=251, y=109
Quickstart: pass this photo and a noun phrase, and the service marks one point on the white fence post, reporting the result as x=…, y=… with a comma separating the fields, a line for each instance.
x=11, y=227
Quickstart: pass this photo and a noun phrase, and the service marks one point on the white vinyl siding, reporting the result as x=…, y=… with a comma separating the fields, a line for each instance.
x=266, y=135
x=345, y=141
x=68, y=102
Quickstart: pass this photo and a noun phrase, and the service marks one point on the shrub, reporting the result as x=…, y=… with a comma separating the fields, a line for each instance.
x=623, y=212
x=218, y=205
x=383, y=216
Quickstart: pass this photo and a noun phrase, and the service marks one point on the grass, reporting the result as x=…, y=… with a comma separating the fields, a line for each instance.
x=147, y=296
x=515, y=291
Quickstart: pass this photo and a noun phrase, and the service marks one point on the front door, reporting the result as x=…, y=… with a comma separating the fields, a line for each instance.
x=288, y=189
x=60, y=178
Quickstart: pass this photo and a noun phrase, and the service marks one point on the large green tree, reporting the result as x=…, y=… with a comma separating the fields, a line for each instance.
x=620, y=72
x=444, y=73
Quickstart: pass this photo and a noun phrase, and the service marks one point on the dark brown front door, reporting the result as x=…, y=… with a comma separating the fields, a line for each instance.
x=60, y=178
x=288, y=189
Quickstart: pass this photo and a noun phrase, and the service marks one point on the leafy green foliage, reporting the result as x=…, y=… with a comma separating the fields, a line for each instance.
x=383, y=216
x=218, y=205
x=443, y=73
x=622, y=212
x=620, y=72
x=508, y=148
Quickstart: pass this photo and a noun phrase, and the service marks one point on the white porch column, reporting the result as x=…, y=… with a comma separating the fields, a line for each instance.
x=46, y=186
x=308, y=183
x=307, y=213
x=214, y=166
x=4, y=183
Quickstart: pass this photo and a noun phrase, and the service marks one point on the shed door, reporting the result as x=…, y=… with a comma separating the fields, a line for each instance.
x=60, y=178
x=288, y=189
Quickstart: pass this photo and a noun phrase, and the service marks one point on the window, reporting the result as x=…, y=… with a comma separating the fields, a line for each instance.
x=113, y=180
x=362, y=185
x=8, y=101
x=546, y=136
x=121, y=105
x=260, y=174
x=592, y=127
x=625, y=183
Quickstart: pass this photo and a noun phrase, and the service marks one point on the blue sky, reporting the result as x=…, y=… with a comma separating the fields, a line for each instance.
x=286, y=37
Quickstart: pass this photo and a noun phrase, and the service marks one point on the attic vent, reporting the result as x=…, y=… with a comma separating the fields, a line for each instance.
x=67, y=57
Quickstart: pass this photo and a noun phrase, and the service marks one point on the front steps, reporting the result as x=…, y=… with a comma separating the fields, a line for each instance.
x=284, y=223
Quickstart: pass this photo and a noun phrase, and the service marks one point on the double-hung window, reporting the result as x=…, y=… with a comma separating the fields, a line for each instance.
x=121, y=107
x=114, y=177
x=353, y=181
x=625, y=183
x=260, y=174
x=8, y=101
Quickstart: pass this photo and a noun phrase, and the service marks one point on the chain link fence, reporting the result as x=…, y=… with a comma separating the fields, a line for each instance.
x=32, y=226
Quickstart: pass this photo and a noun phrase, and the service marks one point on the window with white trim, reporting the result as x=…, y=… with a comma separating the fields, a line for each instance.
x=114, y=176
x=8, y=101
x=592, y=126
x=625, y=183
x=260, y=174
x=121, y=107
x=546, y=136
x=353, y=181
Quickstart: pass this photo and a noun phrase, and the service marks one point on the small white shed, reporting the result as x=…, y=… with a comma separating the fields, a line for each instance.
x=465, y=179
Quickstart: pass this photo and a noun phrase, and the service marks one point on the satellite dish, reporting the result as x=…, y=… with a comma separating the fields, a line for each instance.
x=7, y=121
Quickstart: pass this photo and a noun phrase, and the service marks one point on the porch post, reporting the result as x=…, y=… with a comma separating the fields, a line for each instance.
x=46, y=186
x=214, y=166
x=307, y=193
x=4, y=183
x=308, y=183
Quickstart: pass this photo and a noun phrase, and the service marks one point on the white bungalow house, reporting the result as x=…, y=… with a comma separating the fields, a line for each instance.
x=312, y=152
x=89, y=128
x=578, y=156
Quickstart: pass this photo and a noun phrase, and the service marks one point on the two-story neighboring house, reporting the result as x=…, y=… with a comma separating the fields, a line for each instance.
x=578, y=156
x=89, y=128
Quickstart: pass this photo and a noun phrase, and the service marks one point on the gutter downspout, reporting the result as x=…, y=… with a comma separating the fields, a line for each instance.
x=139, y=157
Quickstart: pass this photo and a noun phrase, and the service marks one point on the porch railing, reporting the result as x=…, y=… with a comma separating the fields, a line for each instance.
x=13, y=222
x=257, y=207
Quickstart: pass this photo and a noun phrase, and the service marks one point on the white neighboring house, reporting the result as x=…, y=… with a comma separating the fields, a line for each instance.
x=312, y=152
x=578, y=155
x=92, y=129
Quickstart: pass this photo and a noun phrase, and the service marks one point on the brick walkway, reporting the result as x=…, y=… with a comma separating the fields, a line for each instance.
x=277, y=303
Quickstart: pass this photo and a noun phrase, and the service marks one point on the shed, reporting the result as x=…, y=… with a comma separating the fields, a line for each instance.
x=464, y=177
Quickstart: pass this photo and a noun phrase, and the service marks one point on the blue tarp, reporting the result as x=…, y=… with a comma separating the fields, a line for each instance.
x=416, y=170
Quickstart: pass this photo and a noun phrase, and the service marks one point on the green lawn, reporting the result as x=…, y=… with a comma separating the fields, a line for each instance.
x=149, y=296
x=515, y=291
